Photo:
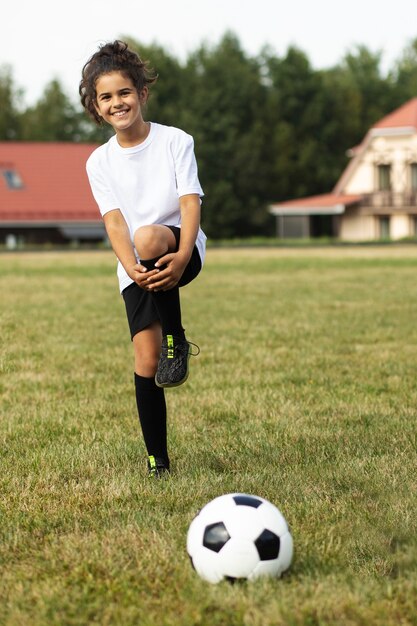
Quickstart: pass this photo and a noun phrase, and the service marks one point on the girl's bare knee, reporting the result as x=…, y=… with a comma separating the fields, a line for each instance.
x=150, y=241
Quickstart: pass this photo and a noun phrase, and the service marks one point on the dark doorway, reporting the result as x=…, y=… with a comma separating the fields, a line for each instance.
x=321, y=226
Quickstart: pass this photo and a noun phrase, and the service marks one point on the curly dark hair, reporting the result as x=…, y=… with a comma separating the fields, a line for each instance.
x=112, y=57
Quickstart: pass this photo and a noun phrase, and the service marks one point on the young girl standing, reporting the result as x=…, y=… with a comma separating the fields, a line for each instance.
x=145, y=182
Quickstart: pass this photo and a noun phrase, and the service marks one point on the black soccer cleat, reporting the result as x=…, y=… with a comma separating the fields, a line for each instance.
x=173, y=361
x=157, y=467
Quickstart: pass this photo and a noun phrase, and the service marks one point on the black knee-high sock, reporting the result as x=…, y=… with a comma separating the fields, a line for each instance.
x=168, y=305
x=150, y=401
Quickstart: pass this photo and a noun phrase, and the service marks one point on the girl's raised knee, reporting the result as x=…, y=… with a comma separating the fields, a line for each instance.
x=150, y=241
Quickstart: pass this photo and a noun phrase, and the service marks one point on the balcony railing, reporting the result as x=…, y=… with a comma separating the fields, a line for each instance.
x=390, y=199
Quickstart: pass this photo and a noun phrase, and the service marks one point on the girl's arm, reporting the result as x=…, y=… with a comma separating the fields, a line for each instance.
x=119, y=235
x=190, y=223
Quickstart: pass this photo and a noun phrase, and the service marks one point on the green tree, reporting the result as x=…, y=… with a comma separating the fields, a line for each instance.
x=11, y=98
x=295, y=118
x=52, y=118
x=404, y=74
x=222, y=105
x=315, y=116
x=165, y=100
x=340, y=126
x=376, y=91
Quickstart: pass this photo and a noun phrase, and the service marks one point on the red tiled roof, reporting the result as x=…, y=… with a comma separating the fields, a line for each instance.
x=326, y=201
x=404, y=116
x=55, y=183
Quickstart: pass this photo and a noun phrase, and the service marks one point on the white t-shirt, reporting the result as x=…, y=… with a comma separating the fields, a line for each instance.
x=146, y=182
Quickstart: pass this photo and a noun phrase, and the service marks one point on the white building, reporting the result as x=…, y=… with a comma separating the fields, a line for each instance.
x=376, y=195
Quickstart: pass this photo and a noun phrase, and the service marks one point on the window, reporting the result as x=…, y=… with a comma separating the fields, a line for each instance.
x=413, y=176
x=384, y=227
x=384, y=177
x=12, y=178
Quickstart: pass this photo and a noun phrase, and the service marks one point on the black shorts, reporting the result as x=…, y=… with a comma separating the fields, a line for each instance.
x=140, y=309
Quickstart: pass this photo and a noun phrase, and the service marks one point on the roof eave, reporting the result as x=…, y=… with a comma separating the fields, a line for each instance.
x=286, y=211
x=48, y=223
x=384, y=131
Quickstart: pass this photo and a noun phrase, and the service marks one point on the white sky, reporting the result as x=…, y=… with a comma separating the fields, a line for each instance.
x=46, y=39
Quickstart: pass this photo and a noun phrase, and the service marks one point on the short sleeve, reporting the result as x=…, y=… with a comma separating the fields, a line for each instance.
x=186, y=170
x=101, y=191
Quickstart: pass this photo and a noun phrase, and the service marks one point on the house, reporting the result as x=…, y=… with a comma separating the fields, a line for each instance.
x=45, y=195
x=376, y=195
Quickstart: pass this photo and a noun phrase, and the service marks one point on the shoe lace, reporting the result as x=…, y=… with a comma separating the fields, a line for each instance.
x=195, y=346
x=180, y=344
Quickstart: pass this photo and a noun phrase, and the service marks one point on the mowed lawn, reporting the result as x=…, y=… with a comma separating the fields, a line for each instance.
x=305, y=393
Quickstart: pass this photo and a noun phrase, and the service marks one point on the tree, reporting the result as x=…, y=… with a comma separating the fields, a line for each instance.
x=340, y=126
x=165, y=100
x=52, y=118
x=10, y=105
x=222, y=107
x=404, y=74
x=295, y=118
x=376, y=91
x=315, y=116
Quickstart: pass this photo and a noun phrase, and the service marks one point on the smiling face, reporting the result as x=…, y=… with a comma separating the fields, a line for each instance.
x=120, y=105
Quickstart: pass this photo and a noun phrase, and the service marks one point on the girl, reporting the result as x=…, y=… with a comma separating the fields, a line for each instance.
x=145, y=182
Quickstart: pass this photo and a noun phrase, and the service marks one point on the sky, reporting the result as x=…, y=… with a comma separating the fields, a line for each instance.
x=50, y=39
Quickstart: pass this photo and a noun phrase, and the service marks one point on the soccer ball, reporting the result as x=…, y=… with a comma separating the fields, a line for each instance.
x=239, y=536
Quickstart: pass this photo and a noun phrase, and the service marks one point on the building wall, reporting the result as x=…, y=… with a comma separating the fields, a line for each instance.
x=357, y=228
x=397, y=150
x=368, y=227
x=400, y=226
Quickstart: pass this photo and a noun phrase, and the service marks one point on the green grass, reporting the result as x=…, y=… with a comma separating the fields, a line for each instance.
x=304, y=393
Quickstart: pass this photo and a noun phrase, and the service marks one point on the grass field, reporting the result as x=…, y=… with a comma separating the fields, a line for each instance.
x=304, y=393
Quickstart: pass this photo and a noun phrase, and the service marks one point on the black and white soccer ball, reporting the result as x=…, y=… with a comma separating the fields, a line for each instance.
x=239, y=536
